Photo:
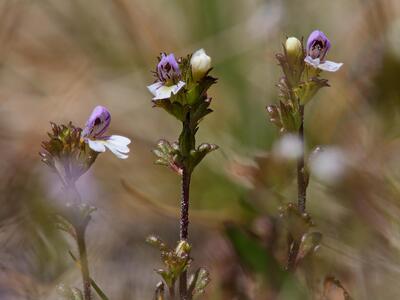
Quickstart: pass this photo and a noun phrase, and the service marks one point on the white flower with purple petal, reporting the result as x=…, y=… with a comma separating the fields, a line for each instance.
x=168, y=78
x=93, y=134
x=318, y=46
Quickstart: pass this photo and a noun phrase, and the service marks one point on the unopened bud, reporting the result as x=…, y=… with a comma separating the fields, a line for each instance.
x=294, y=49
x=201, y=64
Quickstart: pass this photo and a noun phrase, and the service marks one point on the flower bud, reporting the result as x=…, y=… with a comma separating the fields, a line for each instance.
x=201, y=64
x=293, y=47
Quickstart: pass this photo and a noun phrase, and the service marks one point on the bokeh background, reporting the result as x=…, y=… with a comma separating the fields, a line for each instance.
x=59, y=59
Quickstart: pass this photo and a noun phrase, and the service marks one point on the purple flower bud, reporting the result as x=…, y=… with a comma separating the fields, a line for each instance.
x=97, y=123
x=168, y=69
x=318, y=45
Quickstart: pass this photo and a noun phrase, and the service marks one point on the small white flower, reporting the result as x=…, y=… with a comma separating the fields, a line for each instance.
x=201, y=64
x=168, y=78
x=326, y=65
x=96, y=126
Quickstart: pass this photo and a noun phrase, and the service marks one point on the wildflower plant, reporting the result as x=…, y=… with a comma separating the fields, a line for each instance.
x=301, y=80
x=70, y=151
x=181, y=90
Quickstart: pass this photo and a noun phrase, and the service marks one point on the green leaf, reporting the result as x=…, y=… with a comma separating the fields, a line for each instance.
x=307, y=90
x=173, y=107
x=198, y=282
x=168, y=277
x=201, y=151
x=168, y=155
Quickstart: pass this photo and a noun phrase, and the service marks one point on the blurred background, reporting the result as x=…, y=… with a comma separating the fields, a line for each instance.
x=59, y=59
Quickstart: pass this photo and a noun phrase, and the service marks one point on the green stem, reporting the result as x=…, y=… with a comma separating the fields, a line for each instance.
x=80, y=238
x=301, y=195
x=98, y=290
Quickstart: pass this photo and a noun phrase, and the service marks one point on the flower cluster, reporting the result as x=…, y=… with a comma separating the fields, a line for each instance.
x=94, y=134
x=181, y=89
x=176, y=261
x=301, y=81
x=70, y=150
x=65, y=153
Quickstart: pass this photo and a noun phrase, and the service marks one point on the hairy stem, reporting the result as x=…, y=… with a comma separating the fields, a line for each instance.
x=184, y=222
x=184, y=226
x=301, y=176
x=80, y=238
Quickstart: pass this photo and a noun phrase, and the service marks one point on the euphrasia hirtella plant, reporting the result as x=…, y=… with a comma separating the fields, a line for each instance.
x=300, y=82
x=180, y=88
x=70, y=152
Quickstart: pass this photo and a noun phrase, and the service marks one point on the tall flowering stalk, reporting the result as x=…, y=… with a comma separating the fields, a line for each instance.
x=181, y=89
x=70, y=151
x=300, y=82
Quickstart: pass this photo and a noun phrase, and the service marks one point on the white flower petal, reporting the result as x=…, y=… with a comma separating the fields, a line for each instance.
x=327, y=65
x=97, y=146
x=330, y=66
x=178, y=87
x=119, y=139
x=119, y=144
x=154, y=87
x=313, y=62
x=164, y=92
x=114, y=150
